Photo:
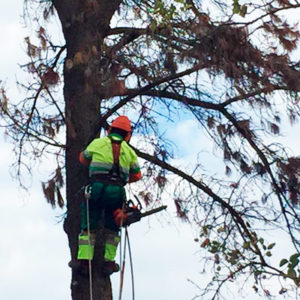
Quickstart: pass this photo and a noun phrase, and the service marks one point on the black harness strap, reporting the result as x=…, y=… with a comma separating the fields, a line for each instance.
x=113, y=176
x=114, y=173
x=116, y=148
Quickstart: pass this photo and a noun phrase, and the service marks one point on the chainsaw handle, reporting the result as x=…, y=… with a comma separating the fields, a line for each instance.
x=130, y=203
x=139, y=206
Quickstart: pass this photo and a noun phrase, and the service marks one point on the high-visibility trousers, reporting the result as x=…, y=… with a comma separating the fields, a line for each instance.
x=86, y=245
x=104, y=200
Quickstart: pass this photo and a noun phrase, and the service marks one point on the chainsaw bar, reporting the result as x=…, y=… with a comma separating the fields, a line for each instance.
x=153, y=211
x=134, y=215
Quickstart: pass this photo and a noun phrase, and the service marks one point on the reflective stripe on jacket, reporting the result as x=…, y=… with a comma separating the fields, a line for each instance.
x=99, y=152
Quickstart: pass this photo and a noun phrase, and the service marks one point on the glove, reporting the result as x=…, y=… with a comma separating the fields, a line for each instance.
x=120, y=217
x=133, y=214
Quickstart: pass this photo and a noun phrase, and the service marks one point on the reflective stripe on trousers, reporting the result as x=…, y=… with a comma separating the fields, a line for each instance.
x=112, y=240
x=86, y=250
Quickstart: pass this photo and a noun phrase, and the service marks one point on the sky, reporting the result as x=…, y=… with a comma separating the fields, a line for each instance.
x=34, y=251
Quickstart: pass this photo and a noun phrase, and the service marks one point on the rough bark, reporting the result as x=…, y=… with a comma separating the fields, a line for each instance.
x=84, y=24
x=169, y=79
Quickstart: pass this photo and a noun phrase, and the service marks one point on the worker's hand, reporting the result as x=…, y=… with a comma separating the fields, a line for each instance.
x=133, y=177
x=83, y=160
x=120, y=217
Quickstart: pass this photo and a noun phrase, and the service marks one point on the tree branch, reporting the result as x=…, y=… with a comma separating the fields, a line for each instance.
x=268, y=169
x=125, y=100
x=180, y=98
x=235, y=215
x=62, y=49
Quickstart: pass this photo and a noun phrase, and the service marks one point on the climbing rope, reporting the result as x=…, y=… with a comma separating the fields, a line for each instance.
x=122, y=264
x=87, y=194
x=131, y=264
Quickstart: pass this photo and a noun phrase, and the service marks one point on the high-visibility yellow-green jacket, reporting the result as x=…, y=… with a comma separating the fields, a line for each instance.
x=99, y=154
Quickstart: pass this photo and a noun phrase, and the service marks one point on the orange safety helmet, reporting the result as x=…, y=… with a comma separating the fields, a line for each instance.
x=121, y=122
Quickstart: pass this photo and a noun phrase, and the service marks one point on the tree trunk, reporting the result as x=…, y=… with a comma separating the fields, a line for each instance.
x=82, y=113
x=84, y=24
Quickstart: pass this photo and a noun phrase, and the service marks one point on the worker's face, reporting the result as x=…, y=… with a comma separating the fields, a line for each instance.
x=127, y=138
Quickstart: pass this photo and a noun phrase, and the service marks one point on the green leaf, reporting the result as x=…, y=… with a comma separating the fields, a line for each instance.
x=153, y=25
x=220, y=229
x=246, y=245
x=291, y=273
x=236, y=7
x=271, y=246
x=283, y=262
x=257, y=272
x=213, y=249
x=293, y=263
x=243, y=10
x=268, y=253
x=294, y=257
x=205, y=229
x=261, y=240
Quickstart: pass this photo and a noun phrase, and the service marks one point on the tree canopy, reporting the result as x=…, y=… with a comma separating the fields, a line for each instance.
x=230, y=66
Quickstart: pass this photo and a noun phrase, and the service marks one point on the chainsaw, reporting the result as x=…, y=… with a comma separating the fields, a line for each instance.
x=131, y=213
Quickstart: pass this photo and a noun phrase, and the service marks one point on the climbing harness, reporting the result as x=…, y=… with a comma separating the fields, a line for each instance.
x=114, y=173
x=113, y=176
x=87, y=195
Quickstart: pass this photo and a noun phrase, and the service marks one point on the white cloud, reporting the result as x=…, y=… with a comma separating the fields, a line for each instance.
x=34, y=252
x=36, y=249
x=164, y=257
x=12, y=37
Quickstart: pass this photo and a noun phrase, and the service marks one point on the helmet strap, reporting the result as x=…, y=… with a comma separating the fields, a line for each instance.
x=128, y=137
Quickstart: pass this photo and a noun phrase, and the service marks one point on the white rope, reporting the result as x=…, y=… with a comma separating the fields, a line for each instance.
x=131, y=264
x=122, y=259
x=126, y=242
x=122, y=270
x=120, y=250
x=87, y=197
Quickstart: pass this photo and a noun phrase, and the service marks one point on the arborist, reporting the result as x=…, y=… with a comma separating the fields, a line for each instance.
x=112, y=164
